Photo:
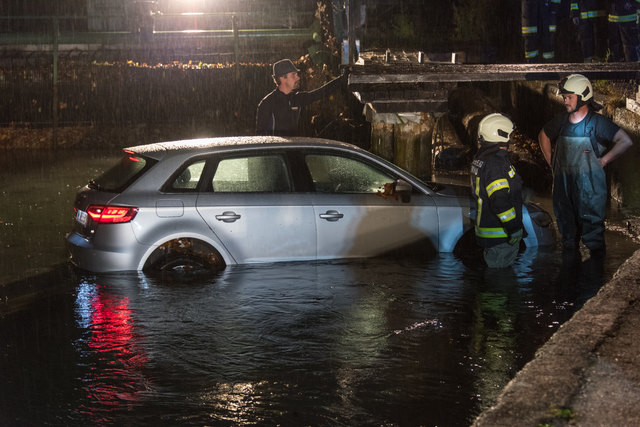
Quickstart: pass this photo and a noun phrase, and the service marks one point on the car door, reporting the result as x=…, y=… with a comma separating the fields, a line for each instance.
x=251, y=207
x=354, y=218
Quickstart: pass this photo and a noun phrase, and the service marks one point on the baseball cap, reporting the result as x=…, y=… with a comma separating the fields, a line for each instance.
x=282, y=67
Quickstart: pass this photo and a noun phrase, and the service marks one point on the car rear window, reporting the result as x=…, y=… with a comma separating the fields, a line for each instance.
x=122, y=174
x=188, y=178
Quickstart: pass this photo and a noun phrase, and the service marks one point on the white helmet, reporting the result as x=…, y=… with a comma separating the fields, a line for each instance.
x=578, y=85
x=495, y=128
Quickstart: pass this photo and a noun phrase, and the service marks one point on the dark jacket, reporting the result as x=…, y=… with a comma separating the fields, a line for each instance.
x=497, y=196
x=278, y=113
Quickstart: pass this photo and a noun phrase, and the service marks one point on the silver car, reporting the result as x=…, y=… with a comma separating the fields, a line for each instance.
x=238, y=200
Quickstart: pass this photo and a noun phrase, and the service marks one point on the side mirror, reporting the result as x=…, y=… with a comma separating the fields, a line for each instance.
x=403, y=189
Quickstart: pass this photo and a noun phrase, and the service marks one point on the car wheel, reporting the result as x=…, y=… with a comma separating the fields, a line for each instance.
x=179, y=264
x=186, y=256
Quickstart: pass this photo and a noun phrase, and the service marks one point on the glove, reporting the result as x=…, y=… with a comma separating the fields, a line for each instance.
x=515, y=237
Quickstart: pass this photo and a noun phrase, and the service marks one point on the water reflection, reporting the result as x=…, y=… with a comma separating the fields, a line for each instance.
x=108, y=350
x=389, y=341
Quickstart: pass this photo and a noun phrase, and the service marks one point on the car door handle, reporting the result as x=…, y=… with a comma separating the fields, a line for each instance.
x=228, y=216
x=331, y=215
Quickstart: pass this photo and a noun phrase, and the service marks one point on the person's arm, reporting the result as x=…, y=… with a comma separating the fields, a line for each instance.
x=306, y=98
x=545, y=145
x=621, y=143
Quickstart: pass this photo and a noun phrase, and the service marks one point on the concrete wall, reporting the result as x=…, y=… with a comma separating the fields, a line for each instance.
x=404, y=139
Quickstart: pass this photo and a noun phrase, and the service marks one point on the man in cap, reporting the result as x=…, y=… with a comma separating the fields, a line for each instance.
x=279, y=111
x=578, y=145
x=497, y=194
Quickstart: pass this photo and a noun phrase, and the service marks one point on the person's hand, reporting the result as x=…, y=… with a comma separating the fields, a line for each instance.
x=515, y=237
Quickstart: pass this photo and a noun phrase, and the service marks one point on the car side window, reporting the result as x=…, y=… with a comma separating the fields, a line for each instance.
x=337, y=174
x=189, y=177
x=252, y=174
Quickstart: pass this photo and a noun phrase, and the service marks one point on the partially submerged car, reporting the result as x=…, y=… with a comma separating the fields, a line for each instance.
x=207, y=203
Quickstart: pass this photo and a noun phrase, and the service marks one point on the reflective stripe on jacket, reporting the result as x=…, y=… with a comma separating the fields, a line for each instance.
x=497, y=196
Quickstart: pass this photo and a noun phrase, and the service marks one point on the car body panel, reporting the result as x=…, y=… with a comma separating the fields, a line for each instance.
x=367, y=225
x=103, y=252
x=259, y=227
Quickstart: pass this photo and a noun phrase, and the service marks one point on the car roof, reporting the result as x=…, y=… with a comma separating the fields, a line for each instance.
x=161, y=149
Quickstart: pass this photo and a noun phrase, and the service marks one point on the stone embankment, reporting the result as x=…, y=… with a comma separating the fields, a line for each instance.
x=588, y=373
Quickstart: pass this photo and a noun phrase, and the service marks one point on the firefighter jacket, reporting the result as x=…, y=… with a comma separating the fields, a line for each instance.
x=497, y=196
x=624, y=11
x=588, y=9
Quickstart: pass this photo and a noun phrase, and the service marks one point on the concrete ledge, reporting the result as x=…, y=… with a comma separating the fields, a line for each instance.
x=567, y=369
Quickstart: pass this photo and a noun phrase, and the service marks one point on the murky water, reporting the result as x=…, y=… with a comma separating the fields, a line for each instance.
x=375, y=342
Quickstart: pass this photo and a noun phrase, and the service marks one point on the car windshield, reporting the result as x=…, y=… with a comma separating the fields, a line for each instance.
x=118, y=177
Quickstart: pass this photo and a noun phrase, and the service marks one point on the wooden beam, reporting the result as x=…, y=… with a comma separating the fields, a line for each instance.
x=380, y=74
x=414, y=106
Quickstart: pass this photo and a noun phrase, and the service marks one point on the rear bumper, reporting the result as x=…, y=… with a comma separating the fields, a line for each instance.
x=85, y=255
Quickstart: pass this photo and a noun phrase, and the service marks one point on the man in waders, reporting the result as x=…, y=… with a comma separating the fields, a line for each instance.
x=575, y=145
x=497, y=191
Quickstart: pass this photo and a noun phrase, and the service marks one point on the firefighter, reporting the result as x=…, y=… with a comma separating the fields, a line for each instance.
x=578, y=145
x=623, y=30
x=590, y=16
x=497, y=194
x=539, y=29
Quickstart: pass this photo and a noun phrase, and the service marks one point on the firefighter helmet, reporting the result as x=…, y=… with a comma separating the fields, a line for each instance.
x=495, y=128
x=578, y=85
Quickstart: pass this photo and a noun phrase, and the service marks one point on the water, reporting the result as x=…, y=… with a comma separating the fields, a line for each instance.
x=373, y=342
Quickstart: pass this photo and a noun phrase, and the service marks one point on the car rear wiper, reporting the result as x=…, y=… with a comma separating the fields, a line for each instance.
x=94, y=185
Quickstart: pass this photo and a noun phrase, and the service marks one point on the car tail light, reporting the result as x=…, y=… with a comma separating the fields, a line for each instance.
x=111, y=214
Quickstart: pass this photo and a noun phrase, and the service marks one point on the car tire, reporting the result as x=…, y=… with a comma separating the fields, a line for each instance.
x=184, y=256
x=179, y=263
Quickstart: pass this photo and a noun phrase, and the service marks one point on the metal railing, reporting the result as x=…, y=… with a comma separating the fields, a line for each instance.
x=153, y=28
x=52, y=34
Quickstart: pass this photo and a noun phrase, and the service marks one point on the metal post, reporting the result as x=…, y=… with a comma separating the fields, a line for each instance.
x=236, y=41
x=56, y=28
x=351, y=30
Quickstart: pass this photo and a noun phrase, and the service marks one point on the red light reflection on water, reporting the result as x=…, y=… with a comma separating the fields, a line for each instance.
x=115, y=362
x=112, y=325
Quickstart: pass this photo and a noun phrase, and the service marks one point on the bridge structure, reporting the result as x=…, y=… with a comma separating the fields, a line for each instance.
x=405, y=82
x=406, y=94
